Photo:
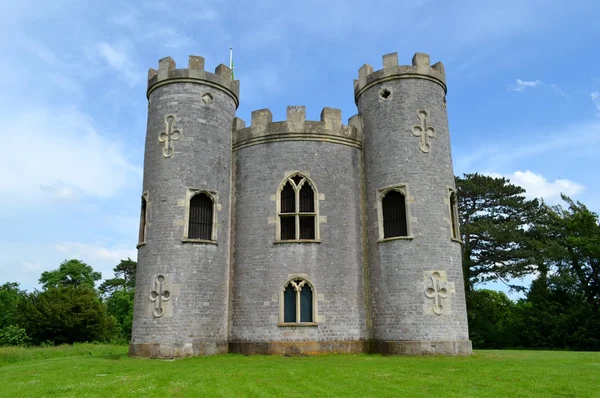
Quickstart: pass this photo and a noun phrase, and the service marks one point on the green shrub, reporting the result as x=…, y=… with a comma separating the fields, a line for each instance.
x=13, y=336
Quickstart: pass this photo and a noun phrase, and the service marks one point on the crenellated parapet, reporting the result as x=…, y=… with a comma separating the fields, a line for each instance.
x=420, y=69
x=167, y=73
x=297, y=128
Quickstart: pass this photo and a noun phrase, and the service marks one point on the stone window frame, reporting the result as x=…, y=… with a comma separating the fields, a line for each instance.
x=278, y=213
x=381, y=192
x=144, y=220
x=453, y=216
x=282, y=322
x=214, y=197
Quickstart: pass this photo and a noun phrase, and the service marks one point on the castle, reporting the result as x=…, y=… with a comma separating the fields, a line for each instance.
x=299, y=237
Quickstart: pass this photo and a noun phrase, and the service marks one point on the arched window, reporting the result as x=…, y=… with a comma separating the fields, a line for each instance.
x=297, y=209
x=393, y=206
x=200, y=222
x=298, y=304
x=142, y=235
x=454, y=215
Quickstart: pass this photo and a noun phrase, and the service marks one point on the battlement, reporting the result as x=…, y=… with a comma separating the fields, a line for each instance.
x=297, y=128
x=420, y=68
x=168, y=73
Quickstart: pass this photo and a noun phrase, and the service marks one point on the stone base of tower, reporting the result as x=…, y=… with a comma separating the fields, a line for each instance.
x=299, y=347
x=169, y=351
x=417, y=348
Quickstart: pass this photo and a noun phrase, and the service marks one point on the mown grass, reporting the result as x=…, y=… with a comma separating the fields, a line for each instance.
x=103, y=370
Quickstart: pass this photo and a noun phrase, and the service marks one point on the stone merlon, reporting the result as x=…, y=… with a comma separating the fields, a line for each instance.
x=420, y=69
x=195, y=73
x=297, y=128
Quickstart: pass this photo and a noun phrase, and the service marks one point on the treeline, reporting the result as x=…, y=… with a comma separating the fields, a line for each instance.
x=69, y=308
x=505, y=236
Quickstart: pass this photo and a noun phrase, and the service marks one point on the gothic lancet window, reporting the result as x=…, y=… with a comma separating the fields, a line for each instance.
x=297, y=210
x=394, y=214
x=200, y=217
x=454, y=215
x=298, y=302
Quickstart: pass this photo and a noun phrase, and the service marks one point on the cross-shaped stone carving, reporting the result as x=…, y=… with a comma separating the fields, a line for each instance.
x=436, y=292
x=159, y=295
x=424, y=131
x=169, y=135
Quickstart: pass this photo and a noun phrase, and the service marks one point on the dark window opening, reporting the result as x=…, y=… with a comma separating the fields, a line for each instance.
x=394, y=215
x=142, y=236
x=307, y=227
x=288, y=199
x=306, y=304
x=200, y=217
x=297, y=179
x=454, y=216
x=307, y=199
x=288, y=228
x=289, y=304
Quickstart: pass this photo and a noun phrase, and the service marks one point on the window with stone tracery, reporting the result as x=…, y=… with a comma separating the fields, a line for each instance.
x=297, y=210
x=298, y=302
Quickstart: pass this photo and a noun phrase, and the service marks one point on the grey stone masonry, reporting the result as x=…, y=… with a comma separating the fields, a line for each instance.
x=196, y=274
x=402, y=295
x=407, y=145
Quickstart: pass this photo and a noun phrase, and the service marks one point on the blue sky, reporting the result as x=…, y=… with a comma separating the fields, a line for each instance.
x=523, y=98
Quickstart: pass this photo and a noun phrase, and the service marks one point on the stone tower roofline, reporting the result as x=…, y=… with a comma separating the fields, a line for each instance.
x=420, y=69
x=297, y=128
x=195, y=73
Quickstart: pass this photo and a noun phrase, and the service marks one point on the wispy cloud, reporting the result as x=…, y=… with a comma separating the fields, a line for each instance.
x=119, y=58
x=66, y=158
x=92, y=252
x=596, y=99
x=522, y=85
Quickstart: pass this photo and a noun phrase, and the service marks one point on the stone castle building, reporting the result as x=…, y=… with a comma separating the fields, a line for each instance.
x=299, y=236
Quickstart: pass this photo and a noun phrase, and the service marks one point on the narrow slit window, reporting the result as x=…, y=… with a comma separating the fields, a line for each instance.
x=297, y=210
x=142, y=235
x=394, y=215
x=298, y=302
x=454, y=216
x=200, y=217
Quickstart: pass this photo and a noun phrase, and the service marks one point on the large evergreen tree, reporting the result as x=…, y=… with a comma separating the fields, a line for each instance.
x=494, y=217
x=70, y=273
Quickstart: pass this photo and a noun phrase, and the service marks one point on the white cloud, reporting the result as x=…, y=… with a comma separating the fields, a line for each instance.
x=521, y=85
x=536, y=185
x=91, y=252
x=58, y=152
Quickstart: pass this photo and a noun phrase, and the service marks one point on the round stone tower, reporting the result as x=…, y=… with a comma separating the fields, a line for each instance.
x=182, y=290
x=417, y=297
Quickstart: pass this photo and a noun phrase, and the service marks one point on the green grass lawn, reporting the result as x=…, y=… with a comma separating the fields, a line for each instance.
x=103, y=370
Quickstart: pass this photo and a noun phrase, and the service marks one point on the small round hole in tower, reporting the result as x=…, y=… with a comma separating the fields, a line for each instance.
x=207, y=98
x=385, y=93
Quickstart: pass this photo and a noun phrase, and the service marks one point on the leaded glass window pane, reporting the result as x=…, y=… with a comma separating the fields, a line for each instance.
x=306, y=304
x=289, y=304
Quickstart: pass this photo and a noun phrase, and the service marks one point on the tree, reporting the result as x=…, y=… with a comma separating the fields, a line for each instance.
x=494, y=217
x=124, y=278
x=10, y=294
x=65, y=315
x=70, y=273
x=568, y=240
x=488, y=312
